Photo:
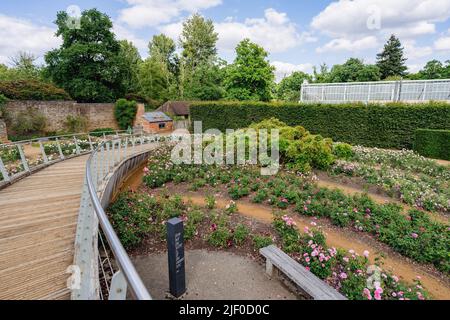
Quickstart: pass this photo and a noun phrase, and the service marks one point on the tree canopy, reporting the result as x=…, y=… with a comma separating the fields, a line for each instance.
x=391, y=60
x=289, y=88
x=87, y=65
x=251, y=76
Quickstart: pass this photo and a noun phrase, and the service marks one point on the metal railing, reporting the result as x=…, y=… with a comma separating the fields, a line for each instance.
x=377, y=91
x=23, y=157
x=118, y=275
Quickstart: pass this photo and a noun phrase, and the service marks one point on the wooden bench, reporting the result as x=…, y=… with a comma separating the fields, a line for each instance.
x=303, y=278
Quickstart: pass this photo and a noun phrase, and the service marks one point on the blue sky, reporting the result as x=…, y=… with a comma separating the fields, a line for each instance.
x=298, y=34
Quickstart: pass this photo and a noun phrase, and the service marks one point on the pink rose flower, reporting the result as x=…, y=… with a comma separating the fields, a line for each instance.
x=366, y=253
x=377, y=293
x=367, y=294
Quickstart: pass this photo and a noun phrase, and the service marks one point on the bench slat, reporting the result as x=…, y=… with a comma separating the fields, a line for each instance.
x=305, y=279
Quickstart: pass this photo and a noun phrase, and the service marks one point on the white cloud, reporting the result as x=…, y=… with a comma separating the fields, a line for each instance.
x=150, y=13
x=415, y=52
x=284, y=69
x=442, y=44
x=275, y=32
x=343, y=44
x=407, y=18
x=22, y=35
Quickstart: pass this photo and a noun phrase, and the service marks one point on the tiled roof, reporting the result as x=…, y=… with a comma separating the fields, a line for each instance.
x=156, y=116
x=177, y=108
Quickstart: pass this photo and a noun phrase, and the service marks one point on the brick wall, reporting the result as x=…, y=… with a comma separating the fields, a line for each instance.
x=99, y=115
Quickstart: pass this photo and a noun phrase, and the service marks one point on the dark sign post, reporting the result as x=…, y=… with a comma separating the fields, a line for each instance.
x=175, y=250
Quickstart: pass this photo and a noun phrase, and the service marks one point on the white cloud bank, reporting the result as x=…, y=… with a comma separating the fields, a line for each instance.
x=151, y=13
x=275, y=32
x=352, y=23
x=22, y=35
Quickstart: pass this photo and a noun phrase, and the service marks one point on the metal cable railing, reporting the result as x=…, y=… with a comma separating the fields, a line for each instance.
x=102, y=163
x=23, y=157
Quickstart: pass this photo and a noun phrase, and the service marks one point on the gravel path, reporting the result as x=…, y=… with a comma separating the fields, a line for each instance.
x=213, y=275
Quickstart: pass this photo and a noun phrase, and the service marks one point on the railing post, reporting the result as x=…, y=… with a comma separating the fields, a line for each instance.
x=44, y=156
x=424, y=90
x=23, y=159
x=76, y=145
x=100, y=166
x=113, y=153
x=108, y=164
x=3, y=171
x=126, y=147
x=90, y=143
x=118, y=290
x=61, y=154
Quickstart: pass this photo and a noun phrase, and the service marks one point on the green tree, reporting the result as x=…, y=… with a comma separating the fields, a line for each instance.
x=87, y=65
x=163, y=48
x=125, y=113
x=391, y=60
x=289, y=88
x=198, y=41
x=353, y=70
x=322, y=75
x=205, y=83
x=153, y=79
x=434, y=69
x=24, y=66
x=130, y=59
x=250, y=77
x=200, y=70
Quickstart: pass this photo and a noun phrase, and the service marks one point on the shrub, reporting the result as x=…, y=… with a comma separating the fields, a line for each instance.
x=32, y=90
x=29, y=122
x=76, y=124
x=298, y=147
x=125, y=113
x=240, y=234
x=433, y=143
x=262, y=241
x=343, y=151
x=374, y=125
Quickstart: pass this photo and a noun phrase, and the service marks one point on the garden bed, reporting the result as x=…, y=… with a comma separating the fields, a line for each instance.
x=414, y=235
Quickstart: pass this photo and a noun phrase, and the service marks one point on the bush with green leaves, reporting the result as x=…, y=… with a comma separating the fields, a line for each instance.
x=390, y=125
x=76, y=124
x=125, y=113
x=433, y=143
x=299, y=149
x=32, y=90
x=343, y=151
x=29, y=122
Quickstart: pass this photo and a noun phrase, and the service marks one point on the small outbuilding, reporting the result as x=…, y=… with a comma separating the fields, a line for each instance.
x=176, y=108
x=156, y=122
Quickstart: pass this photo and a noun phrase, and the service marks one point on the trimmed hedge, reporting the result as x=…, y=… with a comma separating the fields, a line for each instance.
x=433, y=143
x=374, y=125
x=32, y=90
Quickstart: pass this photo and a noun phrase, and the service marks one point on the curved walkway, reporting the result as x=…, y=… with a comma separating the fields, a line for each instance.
x=38, y=217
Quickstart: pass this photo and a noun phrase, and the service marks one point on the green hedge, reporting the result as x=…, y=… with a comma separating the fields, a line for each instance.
x=433, y=143
x=373, y=125
x=32, y=90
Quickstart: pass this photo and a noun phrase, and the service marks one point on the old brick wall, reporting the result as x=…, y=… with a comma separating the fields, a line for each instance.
x=99, y=115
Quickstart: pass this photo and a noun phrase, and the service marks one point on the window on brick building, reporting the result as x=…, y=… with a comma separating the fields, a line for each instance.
x=162, y=125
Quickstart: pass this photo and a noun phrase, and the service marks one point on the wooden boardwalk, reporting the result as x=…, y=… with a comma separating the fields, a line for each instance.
x=38, y=217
